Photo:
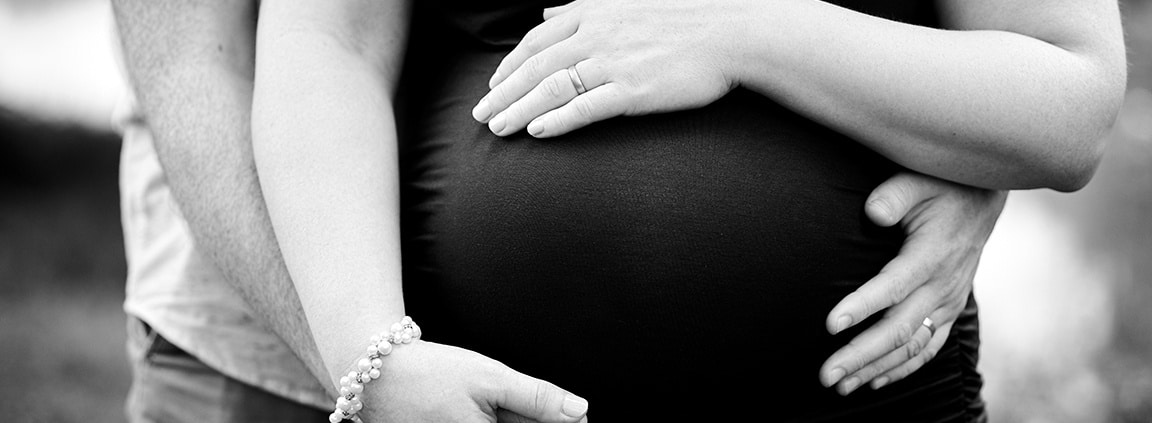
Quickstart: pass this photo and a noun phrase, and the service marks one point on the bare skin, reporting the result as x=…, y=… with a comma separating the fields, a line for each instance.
x=193, y=68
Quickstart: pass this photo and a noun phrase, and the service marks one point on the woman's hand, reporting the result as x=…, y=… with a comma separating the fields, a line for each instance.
x=430, y=382
x=633, y=58
x=947, y=226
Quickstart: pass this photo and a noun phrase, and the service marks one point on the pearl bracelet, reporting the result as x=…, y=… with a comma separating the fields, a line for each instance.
x=368, y=369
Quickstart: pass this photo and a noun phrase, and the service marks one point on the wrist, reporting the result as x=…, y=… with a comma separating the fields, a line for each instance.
x=342, y=347
x=730, y=40
x=368, y=367
x=768, y=41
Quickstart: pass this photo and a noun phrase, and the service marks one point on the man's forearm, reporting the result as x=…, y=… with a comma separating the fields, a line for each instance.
x=210, y=170
x=195, y=86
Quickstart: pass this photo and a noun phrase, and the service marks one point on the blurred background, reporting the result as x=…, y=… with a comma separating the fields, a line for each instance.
x=1065, y=284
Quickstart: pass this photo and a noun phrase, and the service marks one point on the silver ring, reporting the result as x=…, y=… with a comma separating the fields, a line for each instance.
x=931, y=326
x=575, y=77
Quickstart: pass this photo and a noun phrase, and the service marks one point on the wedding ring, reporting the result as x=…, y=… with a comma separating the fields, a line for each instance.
x=931, y=326
x=575, y=77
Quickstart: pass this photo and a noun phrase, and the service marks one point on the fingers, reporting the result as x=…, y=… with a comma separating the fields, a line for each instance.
x=894, y=198
x=530, y=76
x=535, y=41
x=914, y=364
x=932, y=273
x=899, y=327
x=554, y=107
x=505, y=416
x=540, y=401
x=906, y=272
x=917, y=347
x=523, y=79
x=595, y=105
x=554, y=91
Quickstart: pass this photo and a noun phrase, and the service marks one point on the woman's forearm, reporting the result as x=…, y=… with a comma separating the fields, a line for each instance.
x=324, y=141
x=990, y=108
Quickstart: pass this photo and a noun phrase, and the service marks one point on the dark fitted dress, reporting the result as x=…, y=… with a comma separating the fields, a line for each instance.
x=672, y=267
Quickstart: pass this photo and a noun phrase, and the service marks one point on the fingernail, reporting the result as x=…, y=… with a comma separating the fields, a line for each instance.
x=482, y=111
x=536, y=127
x=843, y=323
x=834, y=376
x=574, y=406
x=495, y=77
x=880, y=382
x=850, y=385
x=497, y=124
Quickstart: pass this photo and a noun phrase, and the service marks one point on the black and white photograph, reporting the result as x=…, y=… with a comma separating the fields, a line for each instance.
x=574, y=211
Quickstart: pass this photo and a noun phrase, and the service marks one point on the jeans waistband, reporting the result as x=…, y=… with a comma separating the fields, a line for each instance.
x=160, y=345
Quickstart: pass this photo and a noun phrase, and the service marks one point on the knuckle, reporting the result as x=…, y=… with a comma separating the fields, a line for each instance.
x=912, y=349
x=533, y=68
x=895, y=293
x=871, y=304
x=913, y=189
x=531, y=43
x=631, y=81
x=867, y=372
x=585, y=110
x=559, y=119
x=854, y=357
x=552, y=88
x=543, y=396
x=901, y=334
x=500, y=96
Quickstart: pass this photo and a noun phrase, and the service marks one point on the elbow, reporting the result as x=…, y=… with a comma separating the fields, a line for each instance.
x=1074, y=166
x=1063, y=172
x=1082, y=147
x=1075, y=171
x=1075, y=181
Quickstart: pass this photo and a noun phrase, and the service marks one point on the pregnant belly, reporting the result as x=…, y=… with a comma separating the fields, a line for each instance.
x=647, y=251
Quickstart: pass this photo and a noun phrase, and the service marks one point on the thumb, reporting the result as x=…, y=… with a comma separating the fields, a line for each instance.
x=540, y=400
x=552, y=12
x=891, y=201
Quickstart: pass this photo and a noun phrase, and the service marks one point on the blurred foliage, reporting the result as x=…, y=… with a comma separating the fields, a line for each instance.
x=61, y=274
x=61, y=178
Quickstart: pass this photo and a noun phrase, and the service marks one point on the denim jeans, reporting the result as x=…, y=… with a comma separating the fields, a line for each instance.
x=171, y=386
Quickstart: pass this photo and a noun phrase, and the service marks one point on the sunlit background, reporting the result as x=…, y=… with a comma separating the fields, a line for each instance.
x=1065, y=285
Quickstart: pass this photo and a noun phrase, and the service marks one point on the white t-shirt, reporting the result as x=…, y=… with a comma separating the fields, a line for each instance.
x=181, y=294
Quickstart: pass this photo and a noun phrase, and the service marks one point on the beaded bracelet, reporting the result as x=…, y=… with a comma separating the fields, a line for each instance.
x=368, y=369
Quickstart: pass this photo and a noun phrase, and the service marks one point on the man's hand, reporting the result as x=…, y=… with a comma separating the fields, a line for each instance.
x=947, y=226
